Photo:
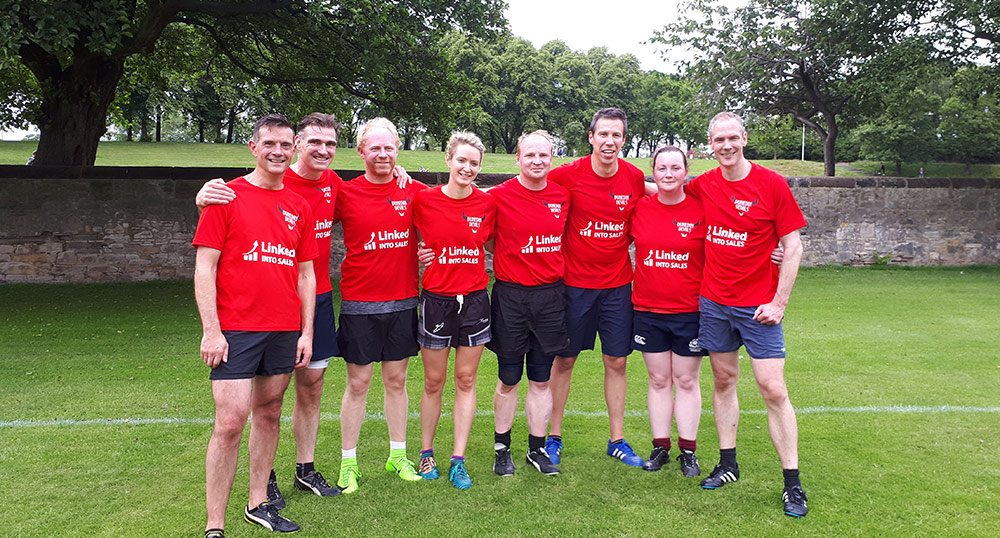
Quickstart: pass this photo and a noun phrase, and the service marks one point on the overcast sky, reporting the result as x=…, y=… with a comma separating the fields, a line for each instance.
x=620, y=25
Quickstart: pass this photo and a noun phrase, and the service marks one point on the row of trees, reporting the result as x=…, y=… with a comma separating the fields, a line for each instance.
x=905, y=80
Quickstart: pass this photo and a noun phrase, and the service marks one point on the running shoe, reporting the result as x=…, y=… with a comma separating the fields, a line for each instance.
x=268, y=517
x=215, y=533
x=274, y=496
x=541, y=461
x=428, y=468
x=403, y=469
x=720, y=476
x=349, y=475
x=458, y=476
x=553, y=447
x=689, y=463
x=315, y=483
x=795, y=501
x=657, y=458
x=503, y=464
x=625, y=453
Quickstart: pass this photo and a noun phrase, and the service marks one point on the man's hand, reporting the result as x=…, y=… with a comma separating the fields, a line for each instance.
x=769, y=314
x=777, y=255
x=214, y=348
x=402, y=178
x=424, y=255
x=214, y=192
x=303, y=351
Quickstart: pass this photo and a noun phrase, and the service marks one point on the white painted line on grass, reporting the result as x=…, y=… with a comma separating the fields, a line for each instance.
x=919, y=409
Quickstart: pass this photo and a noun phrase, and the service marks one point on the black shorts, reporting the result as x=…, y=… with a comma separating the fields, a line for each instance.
x=254, y=353
x=453, y=320
x=368, y=338
x=528, y=317
x=324, y=329
x=657, y=333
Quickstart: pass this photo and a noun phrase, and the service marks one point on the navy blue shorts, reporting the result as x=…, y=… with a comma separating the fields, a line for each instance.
x=368, y=338
x=605, y=312
x=254, y=353
x=324, y=332
x=726, y=328
x=657, y=333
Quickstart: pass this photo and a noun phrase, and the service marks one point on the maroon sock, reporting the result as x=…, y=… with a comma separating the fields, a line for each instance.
x=687, y=444
x=662, y=442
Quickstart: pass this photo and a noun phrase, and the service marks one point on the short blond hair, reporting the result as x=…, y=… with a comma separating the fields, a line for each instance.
x=463, y=137
x=376, y=123
x=539, y=132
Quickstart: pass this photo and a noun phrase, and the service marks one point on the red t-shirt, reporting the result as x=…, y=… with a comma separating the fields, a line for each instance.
x=745, y=219
x=529, y=233
x=596, y=235
x=455, y=230
x=263, y=236
x=321, y=195
x=669, y=255
x=381, y=260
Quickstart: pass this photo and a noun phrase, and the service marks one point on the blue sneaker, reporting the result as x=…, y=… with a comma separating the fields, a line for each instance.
x=553, y=446
x=458, y=476
x=428, y=468
x=625, y=453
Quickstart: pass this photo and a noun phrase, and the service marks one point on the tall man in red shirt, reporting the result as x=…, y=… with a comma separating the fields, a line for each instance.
x=604, y=190
x=748, y=209
x=255, y=289
x=311, y=178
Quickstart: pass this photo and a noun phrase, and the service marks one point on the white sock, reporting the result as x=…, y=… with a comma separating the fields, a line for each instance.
x=349, y=453
x=397, y=445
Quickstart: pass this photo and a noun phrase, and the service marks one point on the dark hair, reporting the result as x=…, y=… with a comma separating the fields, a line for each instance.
x=270, y=120
x=610, y=113
x=668, y=149
x=319, y=119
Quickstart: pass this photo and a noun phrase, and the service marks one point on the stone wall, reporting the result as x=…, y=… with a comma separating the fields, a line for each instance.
x=116, y=224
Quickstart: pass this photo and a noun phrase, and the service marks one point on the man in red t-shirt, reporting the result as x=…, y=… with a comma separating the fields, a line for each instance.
x=748, y=209
x=604, y=189
x=311, y=178
x=255, y=288
x=529, y=316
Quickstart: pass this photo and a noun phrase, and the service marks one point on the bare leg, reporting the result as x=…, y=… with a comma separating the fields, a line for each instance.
x=505, y=406
x=615, y=385
x=466, y=366
x=232, y=407
x=305, y=414
x=781, y=422
x=538, y=407
x=435, y=371
x=659, y=398
x=397, y=403
x=352, y=407
x=265, y=421
x=562, y=371
x=688, y=405
x=725, y=404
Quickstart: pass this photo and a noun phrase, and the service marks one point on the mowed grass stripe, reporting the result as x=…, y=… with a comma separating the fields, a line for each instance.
x=335, y=417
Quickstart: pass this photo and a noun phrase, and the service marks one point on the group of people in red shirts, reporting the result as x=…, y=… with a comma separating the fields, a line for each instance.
x=704, y=283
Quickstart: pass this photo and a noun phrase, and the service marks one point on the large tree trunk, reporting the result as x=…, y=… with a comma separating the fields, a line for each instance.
x=74, y=108
x=830, y=148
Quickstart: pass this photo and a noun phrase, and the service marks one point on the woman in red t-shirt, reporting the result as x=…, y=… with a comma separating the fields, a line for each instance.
x=454, y=221
x=668, y=229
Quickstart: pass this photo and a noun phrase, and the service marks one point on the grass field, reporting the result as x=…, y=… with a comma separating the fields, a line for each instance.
x=105, y=413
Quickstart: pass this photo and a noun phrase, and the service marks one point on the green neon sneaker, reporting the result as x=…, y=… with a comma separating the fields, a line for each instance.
x=349, y=475
x=403, y=468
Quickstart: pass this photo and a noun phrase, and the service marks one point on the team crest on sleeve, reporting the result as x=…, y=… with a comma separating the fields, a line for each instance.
x=399, y=206
x=474, y=222
x=291, y=219
x=743, y=206
x=684, y=228
x=621, y=200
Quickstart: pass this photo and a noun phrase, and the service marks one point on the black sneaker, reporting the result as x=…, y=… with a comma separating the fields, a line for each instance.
x=274, y=496
x=268, y=517
x=215, y=533
x=503, y=464
x=689, y=463
x=315, y=483
x=539, y=459
x=720, y=476
x=657, y=458
x=795, y=501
